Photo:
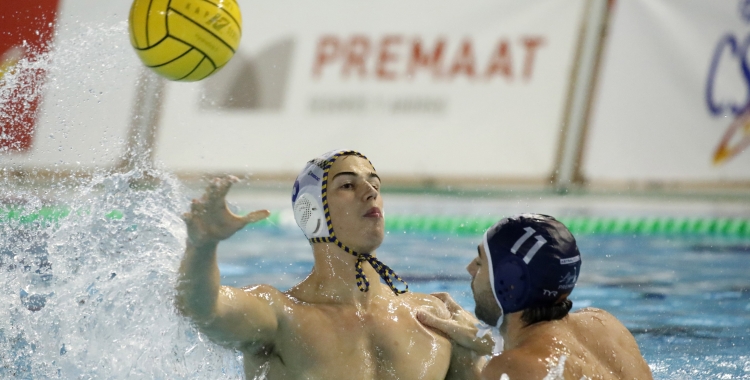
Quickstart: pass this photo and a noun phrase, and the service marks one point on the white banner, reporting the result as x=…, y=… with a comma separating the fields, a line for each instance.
x=89, y=90
x=676, y=79
x=450, y=89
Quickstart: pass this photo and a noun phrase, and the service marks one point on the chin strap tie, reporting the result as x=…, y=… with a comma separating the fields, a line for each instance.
x=385, y=272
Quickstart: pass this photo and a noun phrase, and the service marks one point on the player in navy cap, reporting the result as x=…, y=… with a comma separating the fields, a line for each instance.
x=527, y=266
x=535, y=264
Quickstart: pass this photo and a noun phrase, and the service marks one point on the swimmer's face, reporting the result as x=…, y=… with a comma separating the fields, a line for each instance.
x=486, y=309
x=355, y=203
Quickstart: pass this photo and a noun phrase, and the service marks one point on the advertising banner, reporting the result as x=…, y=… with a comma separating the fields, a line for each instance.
x=26, y=28
x=674, y=94
x=463, y=89
x=78, y=117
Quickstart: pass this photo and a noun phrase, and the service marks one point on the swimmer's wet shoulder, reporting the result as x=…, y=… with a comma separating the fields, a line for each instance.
x=515, y=365
x=589, y=343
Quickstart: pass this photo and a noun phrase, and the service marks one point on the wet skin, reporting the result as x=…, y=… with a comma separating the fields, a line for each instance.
x=595, y=344
x=324, y=327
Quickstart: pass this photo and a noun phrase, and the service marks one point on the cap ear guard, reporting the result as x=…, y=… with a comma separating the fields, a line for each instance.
x=511, y=283
x=309, y=215
x=307, y=204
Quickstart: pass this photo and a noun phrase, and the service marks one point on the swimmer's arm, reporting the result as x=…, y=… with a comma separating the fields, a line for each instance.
x=229, y=316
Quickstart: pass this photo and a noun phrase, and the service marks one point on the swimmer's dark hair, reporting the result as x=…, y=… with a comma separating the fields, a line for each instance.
x=547, y=313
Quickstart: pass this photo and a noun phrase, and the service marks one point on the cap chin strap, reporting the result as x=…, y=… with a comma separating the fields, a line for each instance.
x=501, y=319
x=487, y=253
x=385, y=272
x=491, y=269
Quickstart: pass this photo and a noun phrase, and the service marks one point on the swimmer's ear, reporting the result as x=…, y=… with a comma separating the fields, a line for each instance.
x=255, y=216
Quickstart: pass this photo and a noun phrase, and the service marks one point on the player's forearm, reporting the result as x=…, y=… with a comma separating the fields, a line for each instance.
x=229, y=316
x=199, y=282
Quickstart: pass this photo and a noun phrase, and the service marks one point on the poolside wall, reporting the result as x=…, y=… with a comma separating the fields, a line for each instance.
x=459, y=92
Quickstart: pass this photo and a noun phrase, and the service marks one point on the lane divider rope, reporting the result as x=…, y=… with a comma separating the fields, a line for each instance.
x=737, y=227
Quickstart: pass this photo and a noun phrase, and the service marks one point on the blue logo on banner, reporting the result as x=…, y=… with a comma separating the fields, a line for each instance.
x=737, y=48
x=745, y=10
x=732, y=47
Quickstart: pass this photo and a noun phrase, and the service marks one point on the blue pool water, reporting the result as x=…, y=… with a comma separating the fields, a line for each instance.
x=91, y=296
x=686, y=299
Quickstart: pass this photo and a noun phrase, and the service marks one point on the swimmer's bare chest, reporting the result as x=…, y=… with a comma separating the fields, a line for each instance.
x=341, y=342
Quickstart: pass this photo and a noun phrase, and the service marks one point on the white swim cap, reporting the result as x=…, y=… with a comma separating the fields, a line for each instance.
x=310, y=205
x=309, y=195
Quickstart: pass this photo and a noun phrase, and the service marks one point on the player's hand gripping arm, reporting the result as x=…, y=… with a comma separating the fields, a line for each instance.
x=469, y=350
x=230, y=316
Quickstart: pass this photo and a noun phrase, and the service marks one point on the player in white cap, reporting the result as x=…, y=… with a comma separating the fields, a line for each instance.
x=338, y=323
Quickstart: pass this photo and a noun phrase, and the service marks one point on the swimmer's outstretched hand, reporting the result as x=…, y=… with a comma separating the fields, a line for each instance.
x=461, y=328
x=210, y=221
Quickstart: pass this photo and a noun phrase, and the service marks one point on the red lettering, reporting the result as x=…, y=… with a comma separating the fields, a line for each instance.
x=387, y=56
x=358, y=50
x=433, y=61
x=396, y=56
x=327, y=52
x=464, y=61
x=531, y=44
x=500, y=62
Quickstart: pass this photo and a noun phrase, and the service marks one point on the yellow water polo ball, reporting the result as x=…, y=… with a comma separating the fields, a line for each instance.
x=185, y=40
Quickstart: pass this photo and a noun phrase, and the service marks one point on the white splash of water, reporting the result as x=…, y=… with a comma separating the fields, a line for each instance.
x=83, y=76
x=90, y=295
x=20, y=87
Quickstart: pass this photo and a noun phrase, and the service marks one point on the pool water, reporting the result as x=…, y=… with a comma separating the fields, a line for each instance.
x=91, y=295
x=686, y=299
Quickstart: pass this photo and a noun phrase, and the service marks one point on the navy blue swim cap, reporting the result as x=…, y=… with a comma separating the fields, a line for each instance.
x=534, y=261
